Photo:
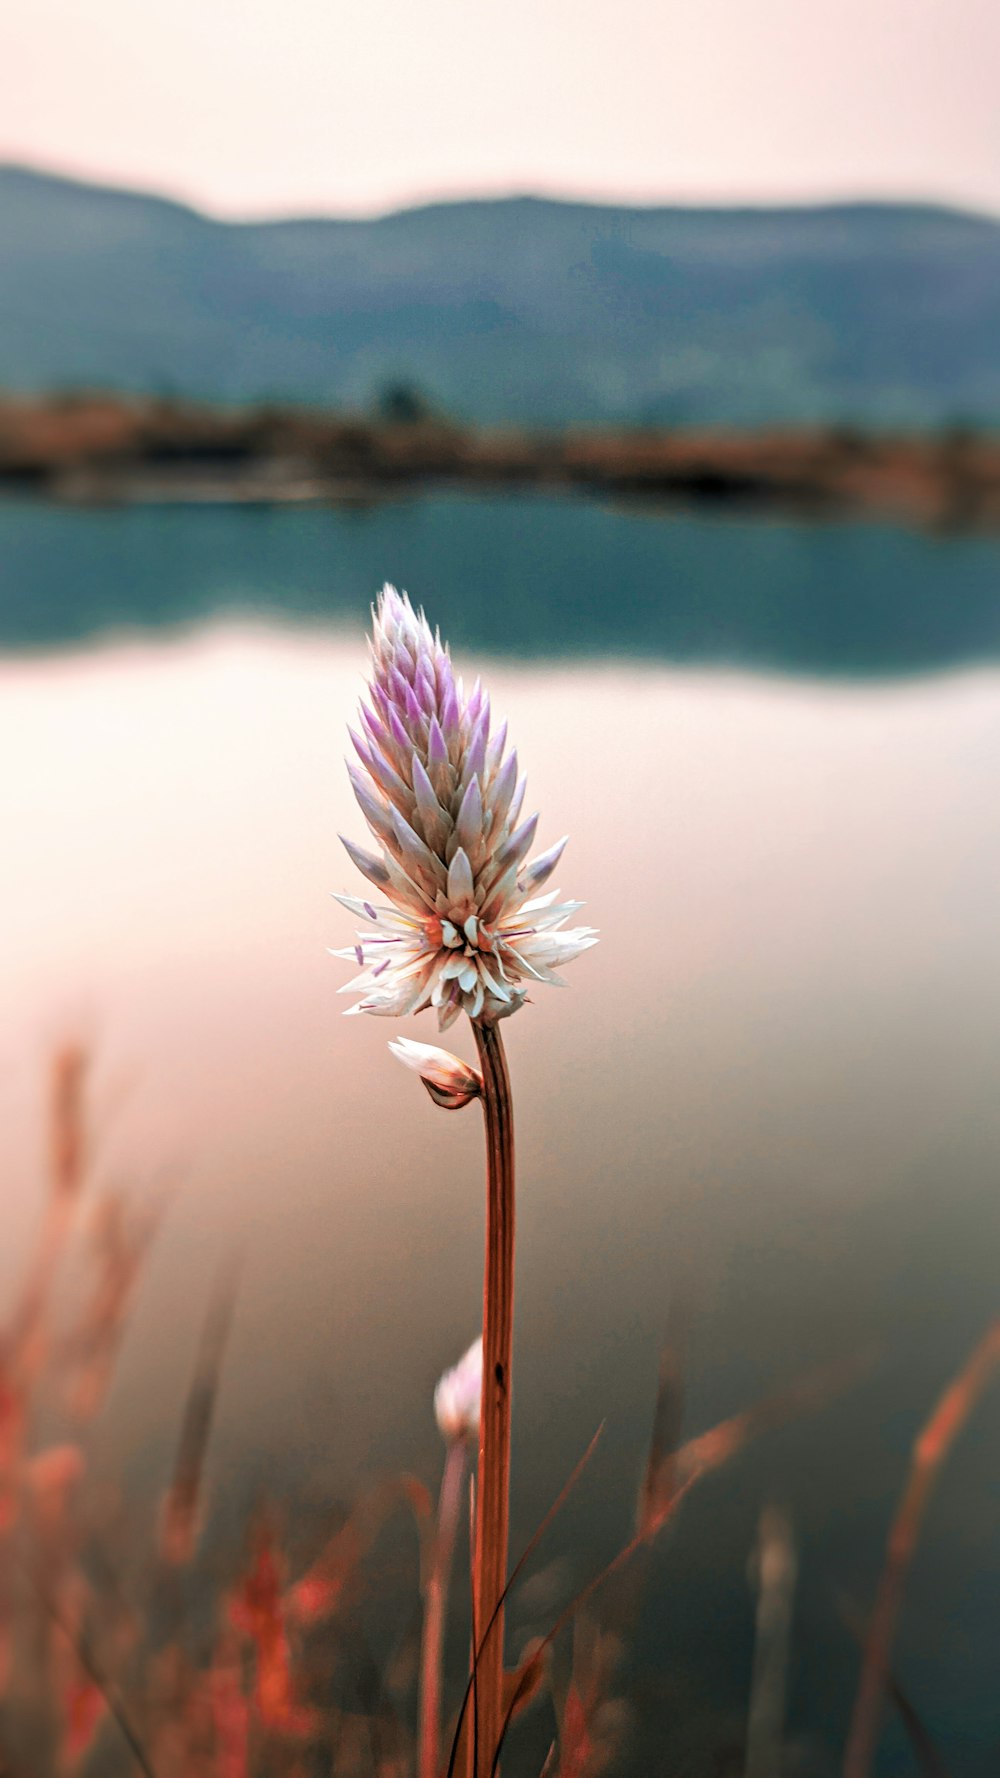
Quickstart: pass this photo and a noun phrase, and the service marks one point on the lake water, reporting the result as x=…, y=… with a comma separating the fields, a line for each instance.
x=768, y=1096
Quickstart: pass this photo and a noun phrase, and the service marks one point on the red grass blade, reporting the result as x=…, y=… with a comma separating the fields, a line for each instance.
x=926, y=1751
x=120, y=1238
x=659, y=1480
x=929, y=1453
x=230, y=1714
x=318, y=1592
x=179, y=1524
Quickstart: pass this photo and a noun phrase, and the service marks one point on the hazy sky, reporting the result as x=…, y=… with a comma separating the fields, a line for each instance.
x=256, y=106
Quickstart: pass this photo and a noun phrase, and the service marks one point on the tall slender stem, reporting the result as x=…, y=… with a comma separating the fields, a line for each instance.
x=493, y=1490
x=435, y=1608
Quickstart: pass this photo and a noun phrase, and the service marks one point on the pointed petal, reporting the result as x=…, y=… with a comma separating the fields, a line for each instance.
x=509, y=855
x=494, y=752
x=435, y=820
x=517, y=799
x=460, y=886
x=541, y=868
x=405, y=891
x=469, y=824
x=501, y=792
x=418, y=860
x=448, y=1013
x=391, y=782
x=496, y=899
x=376, y=813
x=362, y=909
x=368, y=864
x=474, y=762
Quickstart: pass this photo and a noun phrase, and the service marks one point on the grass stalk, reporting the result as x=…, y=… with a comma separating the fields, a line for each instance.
x=932, y=1447
x=435, y=1609
x=776, y=1566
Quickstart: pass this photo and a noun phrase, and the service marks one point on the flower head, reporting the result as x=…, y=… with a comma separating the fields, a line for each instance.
x=465, y=931
x=457, y=1396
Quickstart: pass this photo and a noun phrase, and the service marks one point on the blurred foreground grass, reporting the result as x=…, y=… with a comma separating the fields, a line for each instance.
x=129, y=1647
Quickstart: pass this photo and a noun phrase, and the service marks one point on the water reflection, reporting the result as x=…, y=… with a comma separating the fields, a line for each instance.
x=525, y=577
x=771, y=1089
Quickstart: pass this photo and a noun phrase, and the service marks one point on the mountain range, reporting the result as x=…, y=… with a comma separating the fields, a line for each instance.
x=521, y=311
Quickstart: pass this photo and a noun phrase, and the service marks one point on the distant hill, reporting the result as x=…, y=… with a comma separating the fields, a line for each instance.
x=521, y=309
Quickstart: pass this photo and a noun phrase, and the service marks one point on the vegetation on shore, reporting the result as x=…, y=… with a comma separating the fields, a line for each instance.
x=107, y=448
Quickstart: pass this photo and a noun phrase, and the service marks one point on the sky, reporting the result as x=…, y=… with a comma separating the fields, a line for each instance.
x=271, y=107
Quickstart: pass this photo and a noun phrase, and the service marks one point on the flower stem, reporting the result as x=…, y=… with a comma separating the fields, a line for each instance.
x=493, y=1490
x=435, y=1608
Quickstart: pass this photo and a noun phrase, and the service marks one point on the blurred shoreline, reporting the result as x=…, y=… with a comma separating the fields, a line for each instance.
x=106, y=449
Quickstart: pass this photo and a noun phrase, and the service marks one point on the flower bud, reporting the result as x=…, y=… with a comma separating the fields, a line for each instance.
x=457, y=1396
x=451, y=1082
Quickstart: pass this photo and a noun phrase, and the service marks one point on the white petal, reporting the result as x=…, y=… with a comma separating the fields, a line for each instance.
x=355, y=906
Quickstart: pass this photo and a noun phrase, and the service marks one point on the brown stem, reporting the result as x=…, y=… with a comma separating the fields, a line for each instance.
x=493, y=1491
x=435, y=1608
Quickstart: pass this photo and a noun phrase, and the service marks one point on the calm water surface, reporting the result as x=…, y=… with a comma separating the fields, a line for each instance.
x=769, y=1096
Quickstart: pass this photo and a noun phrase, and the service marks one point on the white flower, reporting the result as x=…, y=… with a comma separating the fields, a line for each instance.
x=465, y=931
x=458, y=1394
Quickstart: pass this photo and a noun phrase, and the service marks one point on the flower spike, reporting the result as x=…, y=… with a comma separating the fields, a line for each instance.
x=461, y=932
